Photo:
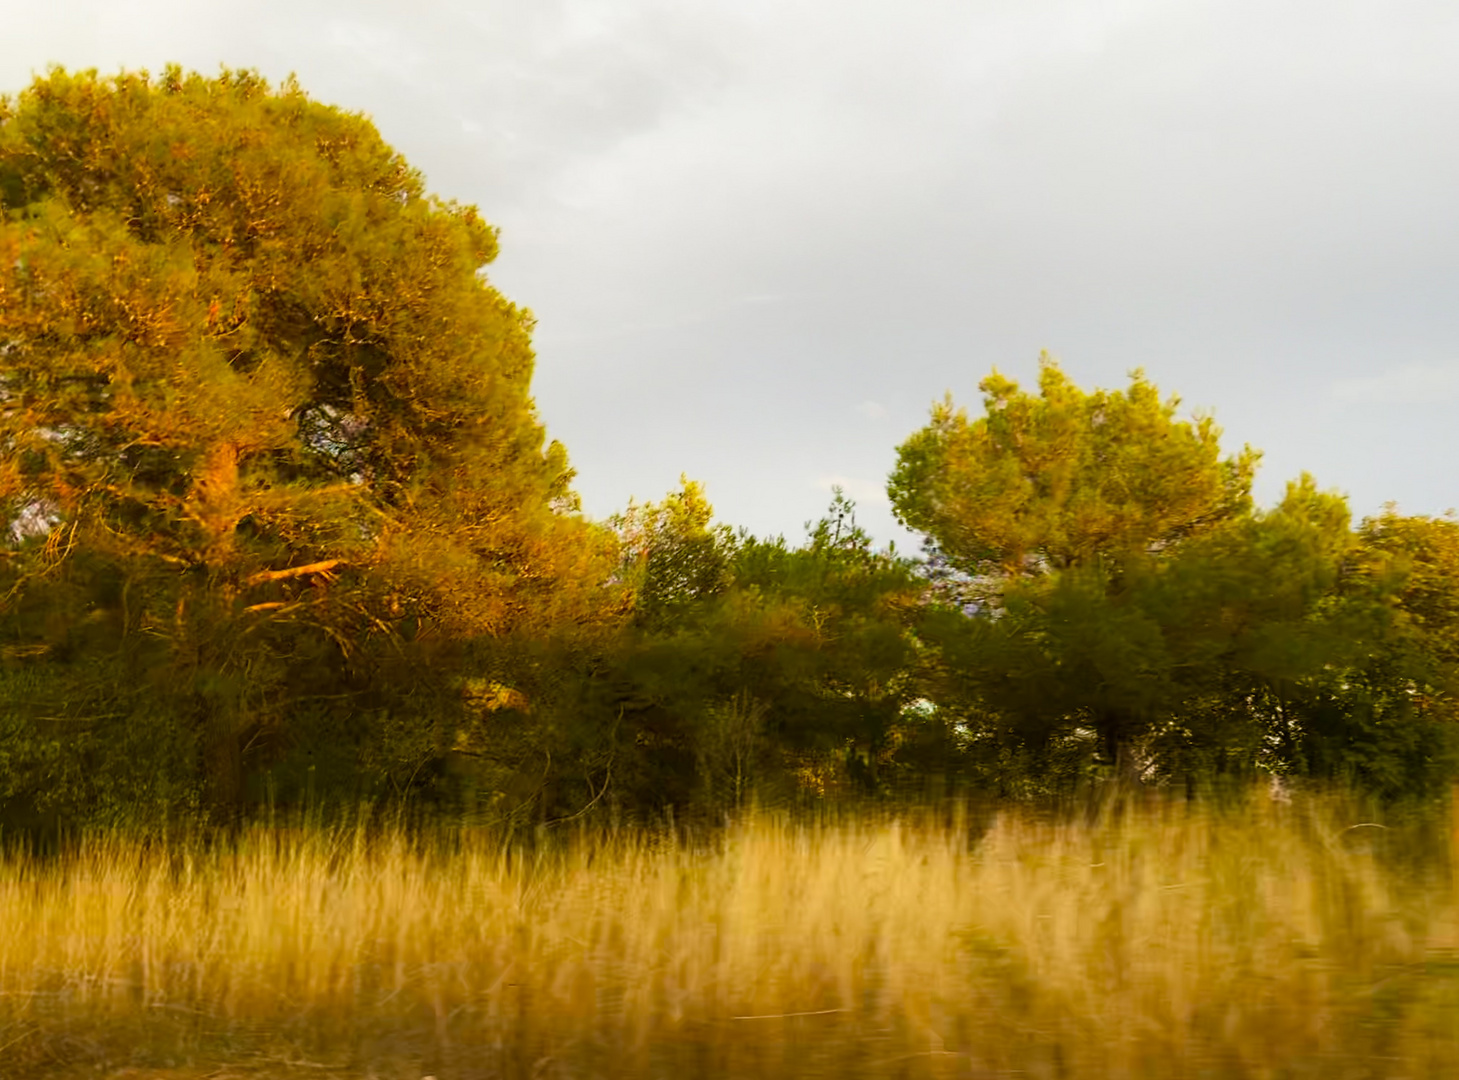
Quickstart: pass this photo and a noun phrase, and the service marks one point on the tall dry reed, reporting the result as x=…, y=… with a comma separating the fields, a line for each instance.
x=1156, y=939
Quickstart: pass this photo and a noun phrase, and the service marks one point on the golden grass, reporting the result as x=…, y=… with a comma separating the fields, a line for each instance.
x=1158, y=940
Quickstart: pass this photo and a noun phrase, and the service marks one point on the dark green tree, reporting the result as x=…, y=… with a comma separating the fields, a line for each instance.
x=672, y=554
x=844, y=686
x=1384, y=717
x=753, y=666
x=1113, y=587
x=260, y=410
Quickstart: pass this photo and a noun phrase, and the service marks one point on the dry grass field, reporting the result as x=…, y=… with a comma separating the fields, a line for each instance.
x=1150, y=939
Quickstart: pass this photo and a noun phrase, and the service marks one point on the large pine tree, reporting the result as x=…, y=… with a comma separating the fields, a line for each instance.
x=255, y=391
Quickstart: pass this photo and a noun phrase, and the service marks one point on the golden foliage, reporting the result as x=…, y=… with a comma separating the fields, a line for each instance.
x=1164, y=939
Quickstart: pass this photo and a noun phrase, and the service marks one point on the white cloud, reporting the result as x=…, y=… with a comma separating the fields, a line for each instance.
x=1412, y=384
x=867, y=492
x=1249, y=200
x=378, y=47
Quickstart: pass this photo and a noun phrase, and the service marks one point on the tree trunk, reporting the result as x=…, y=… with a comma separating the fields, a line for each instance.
x=1119, y=749
x=222, y=763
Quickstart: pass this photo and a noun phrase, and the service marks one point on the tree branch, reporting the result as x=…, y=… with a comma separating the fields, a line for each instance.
x=265, y=576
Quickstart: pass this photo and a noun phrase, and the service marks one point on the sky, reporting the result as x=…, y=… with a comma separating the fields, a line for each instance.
x=761, y=237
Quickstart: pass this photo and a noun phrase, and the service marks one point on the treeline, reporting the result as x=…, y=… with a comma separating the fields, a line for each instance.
x=279, y=526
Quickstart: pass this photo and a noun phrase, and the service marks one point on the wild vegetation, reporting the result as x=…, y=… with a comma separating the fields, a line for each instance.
x=1158, y=939
x=282, y=539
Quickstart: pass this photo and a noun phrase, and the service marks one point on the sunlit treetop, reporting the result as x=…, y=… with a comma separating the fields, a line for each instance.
x=1061, y=478
x=237, y=335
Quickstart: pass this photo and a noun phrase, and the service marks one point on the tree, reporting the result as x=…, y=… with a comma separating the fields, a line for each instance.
x=1385, y=716
x=749, y=666
x=672, y=554
x=1419, y=556
x=1112, y=570
x=256, y=391
x=1064, y=479
x=842, y=687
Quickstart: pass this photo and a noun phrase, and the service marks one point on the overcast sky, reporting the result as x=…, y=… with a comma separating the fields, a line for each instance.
x=761, y=236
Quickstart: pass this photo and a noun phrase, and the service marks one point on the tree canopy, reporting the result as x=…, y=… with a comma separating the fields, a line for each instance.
x=279, y=519
x=249, y=367
x=1109, y=581
x=1064, y=478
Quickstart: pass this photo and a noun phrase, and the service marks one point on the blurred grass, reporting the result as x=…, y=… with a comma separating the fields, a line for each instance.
x=1149, y=938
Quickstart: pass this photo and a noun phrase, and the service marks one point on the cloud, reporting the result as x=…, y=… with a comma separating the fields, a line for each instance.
x=377, y=47
x=1249, y=200
x=868, y=492
x=1412, y=384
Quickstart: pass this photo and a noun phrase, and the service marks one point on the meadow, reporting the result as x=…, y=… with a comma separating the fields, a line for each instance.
x=1134, y=937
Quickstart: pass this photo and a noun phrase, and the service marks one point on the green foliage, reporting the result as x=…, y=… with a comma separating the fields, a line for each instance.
x=750, y=667
x=279, y=524
x=844, y=681
x=86, y=744
x=261, y=406
x=1384, y=718
x=1064, y=479
x=1076, y=519
x=1114, y=590
x=672, y=556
